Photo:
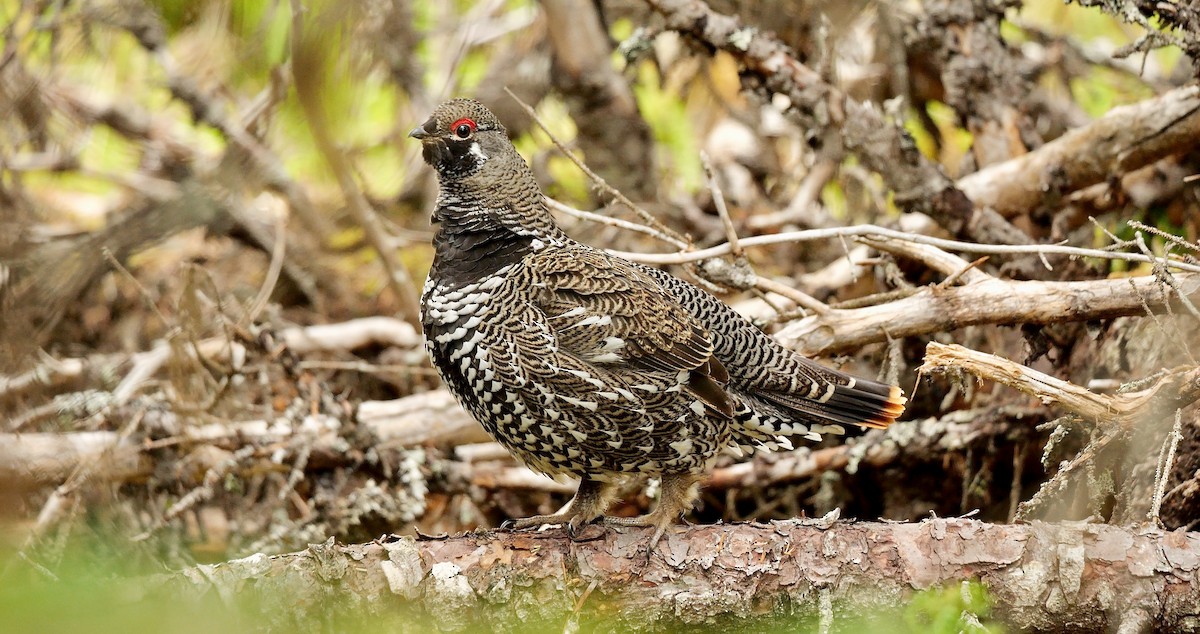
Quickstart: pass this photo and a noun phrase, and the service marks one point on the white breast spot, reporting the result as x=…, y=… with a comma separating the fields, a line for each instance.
x=612, y=343
x=683, y=447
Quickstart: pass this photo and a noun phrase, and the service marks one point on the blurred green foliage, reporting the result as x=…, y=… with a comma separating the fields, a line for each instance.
x=677, y=141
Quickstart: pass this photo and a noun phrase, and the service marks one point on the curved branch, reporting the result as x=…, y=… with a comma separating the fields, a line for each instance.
x=1121, y=141
x=991, y=301
x=873, y=231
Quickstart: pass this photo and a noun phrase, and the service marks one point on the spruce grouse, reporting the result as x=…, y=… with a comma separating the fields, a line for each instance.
x=584, y=364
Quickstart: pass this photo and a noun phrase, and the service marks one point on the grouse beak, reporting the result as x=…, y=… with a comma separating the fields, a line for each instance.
x=425, y=130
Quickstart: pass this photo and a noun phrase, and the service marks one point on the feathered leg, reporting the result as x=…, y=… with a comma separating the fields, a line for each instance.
x=676, y=495
x=590, y=501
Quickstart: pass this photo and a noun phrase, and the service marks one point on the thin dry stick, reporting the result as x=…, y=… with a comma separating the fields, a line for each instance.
x=278, y=252
x=806, y=195
x=646, y=216
x=810, y=235
x=307, y=91
x=955, y=276
x=718, y=197
x=801, y=298
x=936, y=259
x=613, y=222
x=205, y=108
x=142, y=292
x=1171, y=443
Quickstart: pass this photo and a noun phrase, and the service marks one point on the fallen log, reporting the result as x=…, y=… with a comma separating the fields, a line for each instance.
x=1073, y=577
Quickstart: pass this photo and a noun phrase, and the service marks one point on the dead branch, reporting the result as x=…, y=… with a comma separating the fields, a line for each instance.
x=1176, y=389
x=430, y=418
x=875, y=232
x=351, y=335
x=918, y=183
x=1048, y=577
x=344, y=336
x=989, y=301
x=1123, y=140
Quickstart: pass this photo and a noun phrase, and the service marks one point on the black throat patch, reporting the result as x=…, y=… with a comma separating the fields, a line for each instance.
x=452, y=158
x=469, y=252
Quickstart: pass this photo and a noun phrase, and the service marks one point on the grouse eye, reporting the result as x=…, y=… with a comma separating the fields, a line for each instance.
x=463, y=128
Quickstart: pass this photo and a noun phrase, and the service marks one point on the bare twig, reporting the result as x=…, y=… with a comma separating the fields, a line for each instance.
x=802, y=299
x=799, y=208
x=941, y=261
x=874, y=231
x=275, y=268
x=614, y=222
x=1175, y=389
x=646, y=216
x=306, y=57
x=718, y=197
x=1163, y=468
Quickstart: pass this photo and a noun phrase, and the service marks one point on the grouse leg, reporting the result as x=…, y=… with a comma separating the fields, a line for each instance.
x=590, y=501
x=676, y=495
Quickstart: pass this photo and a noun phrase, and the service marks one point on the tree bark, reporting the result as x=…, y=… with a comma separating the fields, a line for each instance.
x=1071, y=577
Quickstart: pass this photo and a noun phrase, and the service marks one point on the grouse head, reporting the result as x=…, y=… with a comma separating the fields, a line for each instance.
x=484, y=181
x=460, y=137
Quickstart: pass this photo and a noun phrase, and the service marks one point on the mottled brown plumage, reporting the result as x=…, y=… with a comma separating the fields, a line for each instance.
x=584, y=364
